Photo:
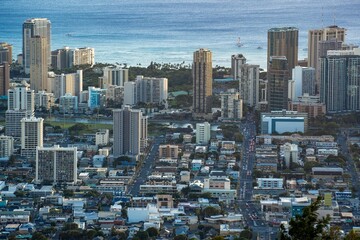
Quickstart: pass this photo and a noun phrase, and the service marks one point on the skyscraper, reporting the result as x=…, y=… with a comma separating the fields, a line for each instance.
x=340, y=81
x=314, y=36
x=322, y=48
x=4, y=78
x=304, y=78
x=284, y=42
x=21, y=97
x=237, y=60
x=67, y=83
x=5, y=53
x=20, y=105
x=56, y=164
x=231, y=105
x=31, y=28
x=130, y=131
x=38, y=63
x=278, y=78
x=67, y=58
x=114, y=76
x=202, y=82
x=31, y=135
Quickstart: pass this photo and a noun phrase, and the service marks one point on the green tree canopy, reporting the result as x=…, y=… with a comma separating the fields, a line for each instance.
x=306, y=226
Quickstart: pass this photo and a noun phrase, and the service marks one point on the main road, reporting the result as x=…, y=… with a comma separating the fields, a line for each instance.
x=146, y=167
x=251, y=210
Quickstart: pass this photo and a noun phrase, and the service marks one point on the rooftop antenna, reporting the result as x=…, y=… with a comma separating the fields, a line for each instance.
x=322, y=17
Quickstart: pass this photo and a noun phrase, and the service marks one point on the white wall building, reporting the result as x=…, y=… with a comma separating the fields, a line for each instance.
x=6, y=146
x=31, y=135
x=231, y=105
x=67, y=83
x=203, y=133
x=102, y=137
x=270, y=183
x=114, y=75
x=291, y=153
x=305, y=81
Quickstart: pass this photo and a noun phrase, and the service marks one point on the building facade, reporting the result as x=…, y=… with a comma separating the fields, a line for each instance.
x=168, y=151
x=67, y=83
x=97, y=98
x=114, y=75
x=67, y=58
x=203, y=133
x=305, y=81
x=202, y=82
x=4, y=78
x=283, y=121
x=308, y=104
x=39, y=63
x=31, y=136
x=5, y=52
x=69, y=103
x=317, y=35
x=130, y=131
x=36, y=27
x=56, y=164
x=283, y=42
x=340, y=81
x=231, y=105
x=6, y=146
x=278, y=83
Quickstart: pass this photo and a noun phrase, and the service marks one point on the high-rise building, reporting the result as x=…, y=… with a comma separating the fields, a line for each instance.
x=68, y=103
x=83, y=56
x=5, y=52
x=231, y=105
x=151, y=90
x=203, y=133
x=6, y=146
x=20, y=105
x=4, y=78
x=38, y=63
x=12, y=122
x=114, y=75
x=283, y=42
x=304, y=78
x=237, y=60
x=278, y=78
x=97, y=98
x=202, y=82
x=68, y=58
x=130, y=131
x=248, y=77
x=31, y=135
x=115, y=95
x=56, y=165
x=322, y=48
x=130, y=93
x=31, y=28
x=67, y=83
x=340, y=81
x=44, y=100
x=317, y=35
x=21, y=97
x=146, y=90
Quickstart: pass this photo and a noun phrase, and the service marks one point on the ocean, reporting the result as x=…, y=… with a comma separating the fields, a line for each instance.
x=169, y=31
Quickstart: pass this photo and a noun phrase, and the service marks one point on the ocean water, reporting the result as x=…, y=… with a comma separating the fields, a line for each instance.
x=141, y=31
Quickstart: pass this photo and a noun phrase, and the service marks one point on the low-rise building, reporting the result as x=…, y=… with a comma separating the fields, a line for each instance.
x=270, y=183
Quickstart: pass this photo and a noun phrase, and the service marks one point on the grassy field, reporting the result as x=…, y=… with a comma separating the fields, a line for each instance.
x=90, y=127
